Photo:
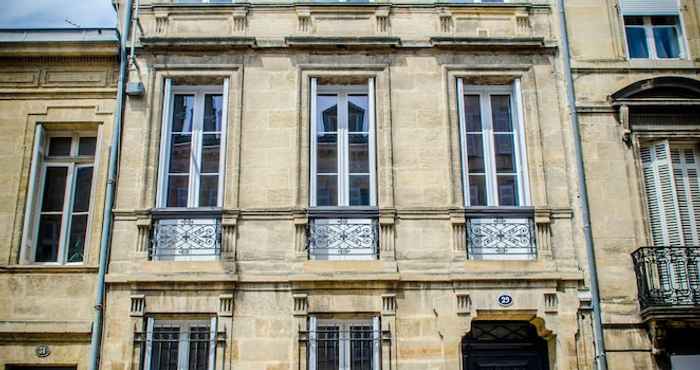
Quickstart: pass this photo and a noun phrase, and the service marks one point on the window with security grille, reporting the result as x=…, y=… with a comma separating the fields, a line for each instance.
x=180, y=345
x=670, y=173
x=344, y=344
x=59, y=197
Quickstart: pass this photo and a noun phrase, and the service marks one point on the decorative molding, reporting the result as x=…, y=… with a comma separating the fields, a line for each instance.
x=387, y=235
x=459, y=236
x=624, y=117
x=543, y=219
x=143, y=238
x=225, y=305
x=161, y=23
x=464, y=303
x=522, y=23
x=551, y=302
x=304, y=20
x=301, y=222
x=240, y=20
x=388, y=304
x=301, y=304
x=446, y=21
x=382, y=18
x=138, y=305
x=229, y=236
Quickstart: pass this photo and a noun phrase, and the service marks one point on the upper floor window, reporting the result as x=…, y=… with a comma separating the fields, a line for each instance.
x=670, y=172
x=653, y=29
x=344, y=344
x=492, y=146
x=180, y=344
x=342, y=147
x=192, y=159
x=58, y=207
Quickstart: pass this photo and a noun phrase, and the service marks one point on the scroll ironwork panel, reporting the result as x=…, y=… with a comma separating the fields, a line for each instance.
x=186, y=239
x=343, y=238
x=500, y=238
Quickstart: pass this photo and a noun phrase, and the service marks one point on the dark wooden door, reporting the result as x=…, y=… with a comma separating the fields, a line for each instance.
x=504, y=345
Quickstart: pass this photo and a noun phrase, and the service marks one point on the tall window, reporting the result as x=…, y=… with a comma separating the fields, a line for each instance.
x=673, y=192
x=492, y=147
x=344, y=344
x=653, y=29
x=192, y=159
x=57, y=226
x=343, y=151
x=180, y=345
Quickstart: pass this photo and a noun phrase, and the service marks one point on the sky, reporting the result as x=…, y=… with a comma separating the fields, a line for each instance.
x=53, y=13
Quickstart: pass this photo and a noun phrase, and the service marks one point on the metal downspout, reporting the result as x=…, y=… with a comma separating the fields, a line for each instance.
x=598, y=334
x=96, y=339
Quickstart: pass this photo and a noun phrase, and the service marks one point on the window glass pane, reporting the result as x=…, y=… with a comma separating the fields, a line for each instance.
x=358, y=119
x=213, y=110
x=666, y=41
x=475, y=153
x=54, y=189
x=183, y=111
x=327, y=153
x=664, y=20
x=180, y=147
x=505, y=152
x=211, y=149
x=477, y=190
x=76, y=240
x=199, y=348
x=83, y=186
x=361, y=350
x=507, y=190
x=472, y=113
x=59, y=146
x=327, y=118
x=164, y=349
x=500, y=113
x=48, y=240
x=177, y=190
x=636, y=42
x=327, y=190
x=86, y=146
x=634, y=21
x=327, y=355
x=359, y=190
x=685, y=362
x=208, y=190
x=359, y=153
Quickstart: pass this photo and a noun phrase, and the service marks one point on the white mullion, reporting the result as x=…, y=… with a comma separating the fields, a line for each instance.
x=164, y=162
x=343, y=345
x=649, y=34
x=313, y=139
x=372, y=143
x=195, y=150
x=463, y=141
x=489, y=154
x=30, y=211
x=518, y=117
x=342, y=130
x=312, y=341
x=222, y=143
x=149, y=345
x=183, y=350
x=65, y=221
x=212, y=343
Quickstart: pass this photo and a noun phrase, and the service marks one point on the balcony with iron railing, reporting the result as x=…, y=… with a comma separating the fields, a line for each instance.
x=501, y=234
x=343, y=234
x=185, y=235
x=668, y=281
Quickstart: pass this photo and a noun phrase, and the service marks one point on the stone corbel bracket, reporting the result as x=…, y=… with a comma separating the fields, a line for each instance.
x=303, y=19
x=458, y=238
x=144, y=225
x=387, y=234
x=381, y=16
x=446, y=23
x=464, y=303
x=240, y=20
x=522, y=24
x=389, y=304
x=137, y=307
x=543, y=221
x=300, y=303
x=160, y=26
x=225, y=305
x=229, y=235
x=301, y=222
x=624, y=118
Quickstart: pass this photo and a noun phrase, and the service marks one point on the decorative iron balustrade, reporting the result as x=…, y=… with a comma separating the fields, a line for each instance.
x=667, y=276
x=343, y=238
x=186, y=239
x=501, y=238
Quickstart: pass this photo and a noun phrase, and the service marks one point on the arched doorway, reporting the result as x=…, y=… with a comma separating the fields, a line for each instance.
x=504, y=345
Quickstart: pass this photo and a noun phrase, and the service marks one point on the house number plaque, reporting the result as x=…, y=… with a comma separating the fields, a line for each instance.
x=42, y=350
x=505, y=299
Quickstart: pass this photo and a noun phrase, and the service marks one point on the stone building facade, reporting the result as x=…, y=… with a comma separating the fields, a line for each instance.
x=57, y=94
x=637, y=102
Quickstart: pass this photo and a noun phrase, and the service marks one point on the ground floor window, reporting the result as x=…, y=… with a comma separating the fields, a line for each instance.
x=344, y=344
x=180, y=344
x=504, y=345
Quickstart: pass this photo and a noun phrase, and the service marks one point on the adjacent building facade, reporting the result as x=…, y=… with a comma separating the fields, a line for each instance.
x=369, y=185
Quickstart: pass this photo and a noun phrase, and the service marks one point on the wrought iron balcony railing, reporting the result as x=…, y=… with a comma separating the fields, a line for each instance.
x=501, y=234
x=667, y=276
x=193, y=235
x=343, y=235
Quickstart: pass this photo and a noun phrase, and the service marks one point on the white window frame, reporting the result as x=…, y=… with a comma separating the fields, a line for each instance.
x=199, y=93
x=183, y=344
x=40, y=164
x=484, y=92
x=344, y=355
x=342, y=91
x=649, y=36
